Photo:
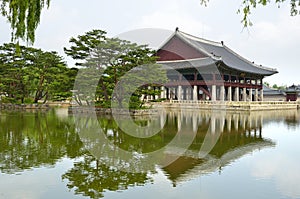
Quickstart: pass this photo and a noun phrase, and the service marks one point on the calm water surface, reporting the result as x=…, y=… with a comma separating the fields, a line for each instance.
x=211, y=155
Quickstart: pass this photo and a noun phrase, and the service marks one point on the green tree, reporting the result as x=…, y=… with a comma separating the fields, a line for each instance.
x=105, y=61
x=32, y=73
x=14, y=78
x=83, y=46
x=49, y=74
x=23, y=16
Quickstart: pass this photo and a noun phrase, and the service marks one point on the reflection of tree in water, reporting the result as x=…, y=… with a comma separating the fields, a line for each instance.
x=30, y=140
x=91, y=178
x=131, y=143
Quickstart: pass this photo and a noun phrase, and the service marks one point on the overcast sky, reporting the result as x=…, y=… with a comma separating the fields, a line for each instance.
x=273, y=40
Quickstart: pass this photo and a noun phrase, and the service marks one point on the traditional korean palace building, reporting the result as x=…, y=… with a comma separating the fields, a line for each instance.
x=206, y=70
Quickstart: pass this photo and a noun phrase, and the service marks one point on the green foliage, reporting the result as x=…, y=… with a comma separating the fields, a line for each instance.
x=32, y=73
x=248, y=5
x=106, y=61
x=267, y=84
x=23, y=16
x=282, y=87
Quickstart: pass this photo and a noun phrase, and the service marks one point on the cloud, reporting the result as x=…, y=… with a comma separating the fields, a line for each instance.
x=171, y=16
x=283, y=32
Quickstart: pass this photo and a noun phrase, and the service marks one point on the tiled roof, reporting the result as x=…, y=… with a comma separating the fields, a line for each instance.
x=218, y=51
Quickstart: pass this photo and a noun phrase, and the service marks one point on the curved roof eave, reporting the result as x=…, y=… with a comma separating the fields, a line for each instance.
x=200, y=44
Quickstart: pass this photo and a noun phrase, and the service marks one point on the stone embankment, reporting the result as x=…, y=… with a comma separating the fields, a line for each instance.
x=23, y=106
x=108, y=111
x=234, y=106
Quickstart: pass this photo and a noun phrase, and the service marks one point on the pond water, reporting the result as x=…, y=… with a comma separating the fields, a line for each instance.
x=175, y=154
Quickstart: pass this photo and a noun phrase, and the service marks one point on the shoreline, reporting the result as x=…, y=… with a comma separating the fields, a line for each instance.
x=168, y=105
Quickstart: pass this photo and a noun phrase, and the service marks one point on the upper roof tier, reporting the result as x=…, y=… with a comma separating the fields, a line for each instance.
x=183, y=46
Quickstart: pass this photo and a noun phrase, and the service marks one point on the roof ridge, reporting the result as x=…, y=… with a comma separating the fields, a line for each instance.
x=215, y=43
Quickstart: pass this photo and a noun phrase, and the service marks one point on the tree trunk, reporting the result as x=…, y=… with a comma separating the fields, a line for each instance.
x=38, y=93
x=104, y=89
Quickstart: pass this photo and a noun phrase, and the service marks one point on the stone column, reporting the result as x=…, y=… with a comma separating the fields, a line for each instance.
x=256, y=95
x=183, y=96
x=163, y=92
x=195, y=93
x=236, y=94
x=250, y=94
x=150, y=97
x=229, y=94
x=156, y=96
x=188, y=93
x=179, y=93
x=261, y=95
x=214, y=93
x=222, y=93
x=244, y=94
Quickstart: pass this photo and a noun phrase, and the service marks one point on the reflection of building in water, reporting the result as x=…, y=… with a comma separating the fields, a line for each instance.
x=224, y=136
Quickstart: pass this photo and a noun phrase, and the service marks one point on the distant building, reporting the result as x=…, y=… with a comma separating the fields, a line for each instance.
x=271, y=94
x=292, y=93
x=206, y=70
